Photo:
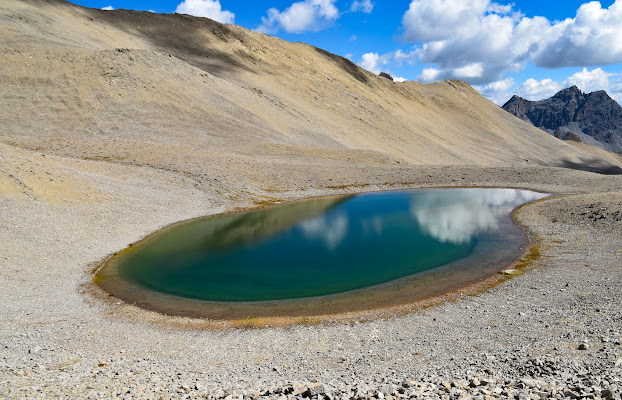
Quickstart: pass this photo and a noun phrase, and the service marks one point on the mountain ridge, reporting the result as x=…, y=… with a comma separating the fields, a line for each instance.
x=128, y=86
x=593, y=118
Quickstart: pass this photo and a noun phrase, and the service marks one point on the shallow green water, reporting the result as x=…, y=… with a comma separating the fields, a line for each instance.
x=320, y=246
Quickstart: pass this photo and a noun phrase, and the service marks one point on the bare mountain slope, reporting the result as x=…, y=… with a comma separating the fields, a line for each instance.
x=195, y=96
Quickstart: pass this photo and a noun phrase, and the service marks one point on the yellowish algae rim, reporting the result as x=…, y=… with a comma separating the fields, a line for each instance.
x=121, y=308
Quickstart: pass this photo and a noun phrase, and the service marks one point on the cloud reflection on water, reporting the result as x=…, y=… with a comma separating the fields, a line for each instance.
x=456, y=218
x=329, y=229
x=448, y=215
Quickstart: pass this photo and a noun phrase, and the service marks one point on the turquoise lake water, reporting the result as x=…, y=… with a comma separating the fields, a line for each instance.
x=319, y=247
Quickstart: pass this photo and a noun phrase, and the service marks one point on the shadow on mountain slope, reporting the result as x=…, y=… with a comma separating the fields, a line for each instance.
x=345, y=64
x=592, y=165
x=183, y=36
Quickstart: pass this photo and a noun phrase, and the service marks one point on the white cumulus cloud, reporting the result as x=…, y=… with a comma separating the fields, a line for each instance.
x=302, y=16
x=533, y=89
x=593, y=37
x=377, y=63
x=480, y=40
x=428, y=20
x=469, y=71
x=365, y=6
x=371, y=61
x=430, y=74
x=498, y=91
x=589, y=81
x=597, y=79
x=206, y=8
x=108, y=8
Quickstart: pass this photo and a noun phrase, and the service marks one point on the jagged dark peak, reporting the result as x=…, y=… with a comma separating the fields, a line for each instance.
x=593, y=116
x=517, y=98
x=518, y=106
x=571, y=89
x=574, y=88
x=515, y=101
x=601, y=95
x=572, y=92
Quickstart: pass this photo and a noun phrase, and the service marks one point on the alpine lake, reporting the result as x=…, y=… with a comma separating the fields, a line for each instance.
x=322, y=256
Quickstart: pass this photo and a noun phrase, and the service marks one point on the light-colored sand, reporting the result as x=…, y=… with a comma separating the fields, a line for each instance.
x=102, y=147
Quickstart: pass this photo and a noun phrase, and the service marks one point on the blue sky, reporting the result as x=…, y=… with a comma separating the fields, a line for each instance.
x=526, y=47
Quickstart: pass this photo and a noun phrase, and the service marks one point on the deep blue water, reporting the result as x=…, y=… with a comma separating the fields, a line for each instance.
x=320, y=246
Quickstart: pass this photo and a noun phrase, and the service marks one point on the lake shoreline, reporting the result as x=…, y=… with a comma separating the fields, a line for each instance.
x=415, y=291
x=528, y=327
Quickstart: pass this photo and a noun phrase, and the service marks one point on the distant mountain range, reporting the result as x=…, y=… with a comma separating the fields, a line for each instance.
x=593, y=118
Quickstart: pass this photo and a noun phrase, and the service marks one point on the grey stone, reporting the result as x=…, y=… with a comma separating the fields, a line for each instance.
x=522, y=396
x=313, y=390
x=571, y=394
x=610, y=394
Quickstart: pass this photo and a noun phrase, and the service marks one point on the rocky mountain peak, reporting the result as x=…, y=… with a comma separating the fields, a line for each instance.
x=595, y=118
x=517, y=98
x=570, y=94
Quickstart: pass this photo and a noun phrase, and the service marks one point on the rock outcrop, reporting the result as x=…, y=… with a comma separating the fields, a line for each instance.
x=593, y=118
x=386, y=75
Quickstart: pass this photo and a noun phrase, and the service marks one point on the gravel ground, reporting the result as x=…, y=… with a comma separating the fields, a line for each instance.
x=184, y=128
x=553, y=332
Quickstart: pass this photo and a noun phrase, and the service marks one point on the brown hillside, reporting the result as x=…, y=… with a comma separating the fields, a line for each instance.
x=218, y=102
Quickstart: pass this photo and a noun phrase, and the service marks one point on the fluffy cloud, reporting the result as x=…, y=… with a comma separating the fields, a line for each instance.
x=430, y=75
x=474, y=40
x=302, y=16
x=597, y=79
x=377, y=63
x=479, y=40
x=373, y=61
x=497, y=92
x=593, y=37
x=206, y=8
x=589, y=81
x=108, y=8
x=365, y=6
x=586, y=80
x=435, y=19
x=370, y=62
x=531, y=89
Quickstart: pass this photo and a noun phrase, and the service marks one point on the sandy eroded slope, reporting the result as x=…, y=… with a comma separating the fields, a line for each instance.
x=191, y=95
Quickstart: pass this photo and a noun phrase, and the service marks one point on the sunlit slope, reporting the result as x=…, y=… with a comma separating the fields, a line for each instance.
x=177, y=92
